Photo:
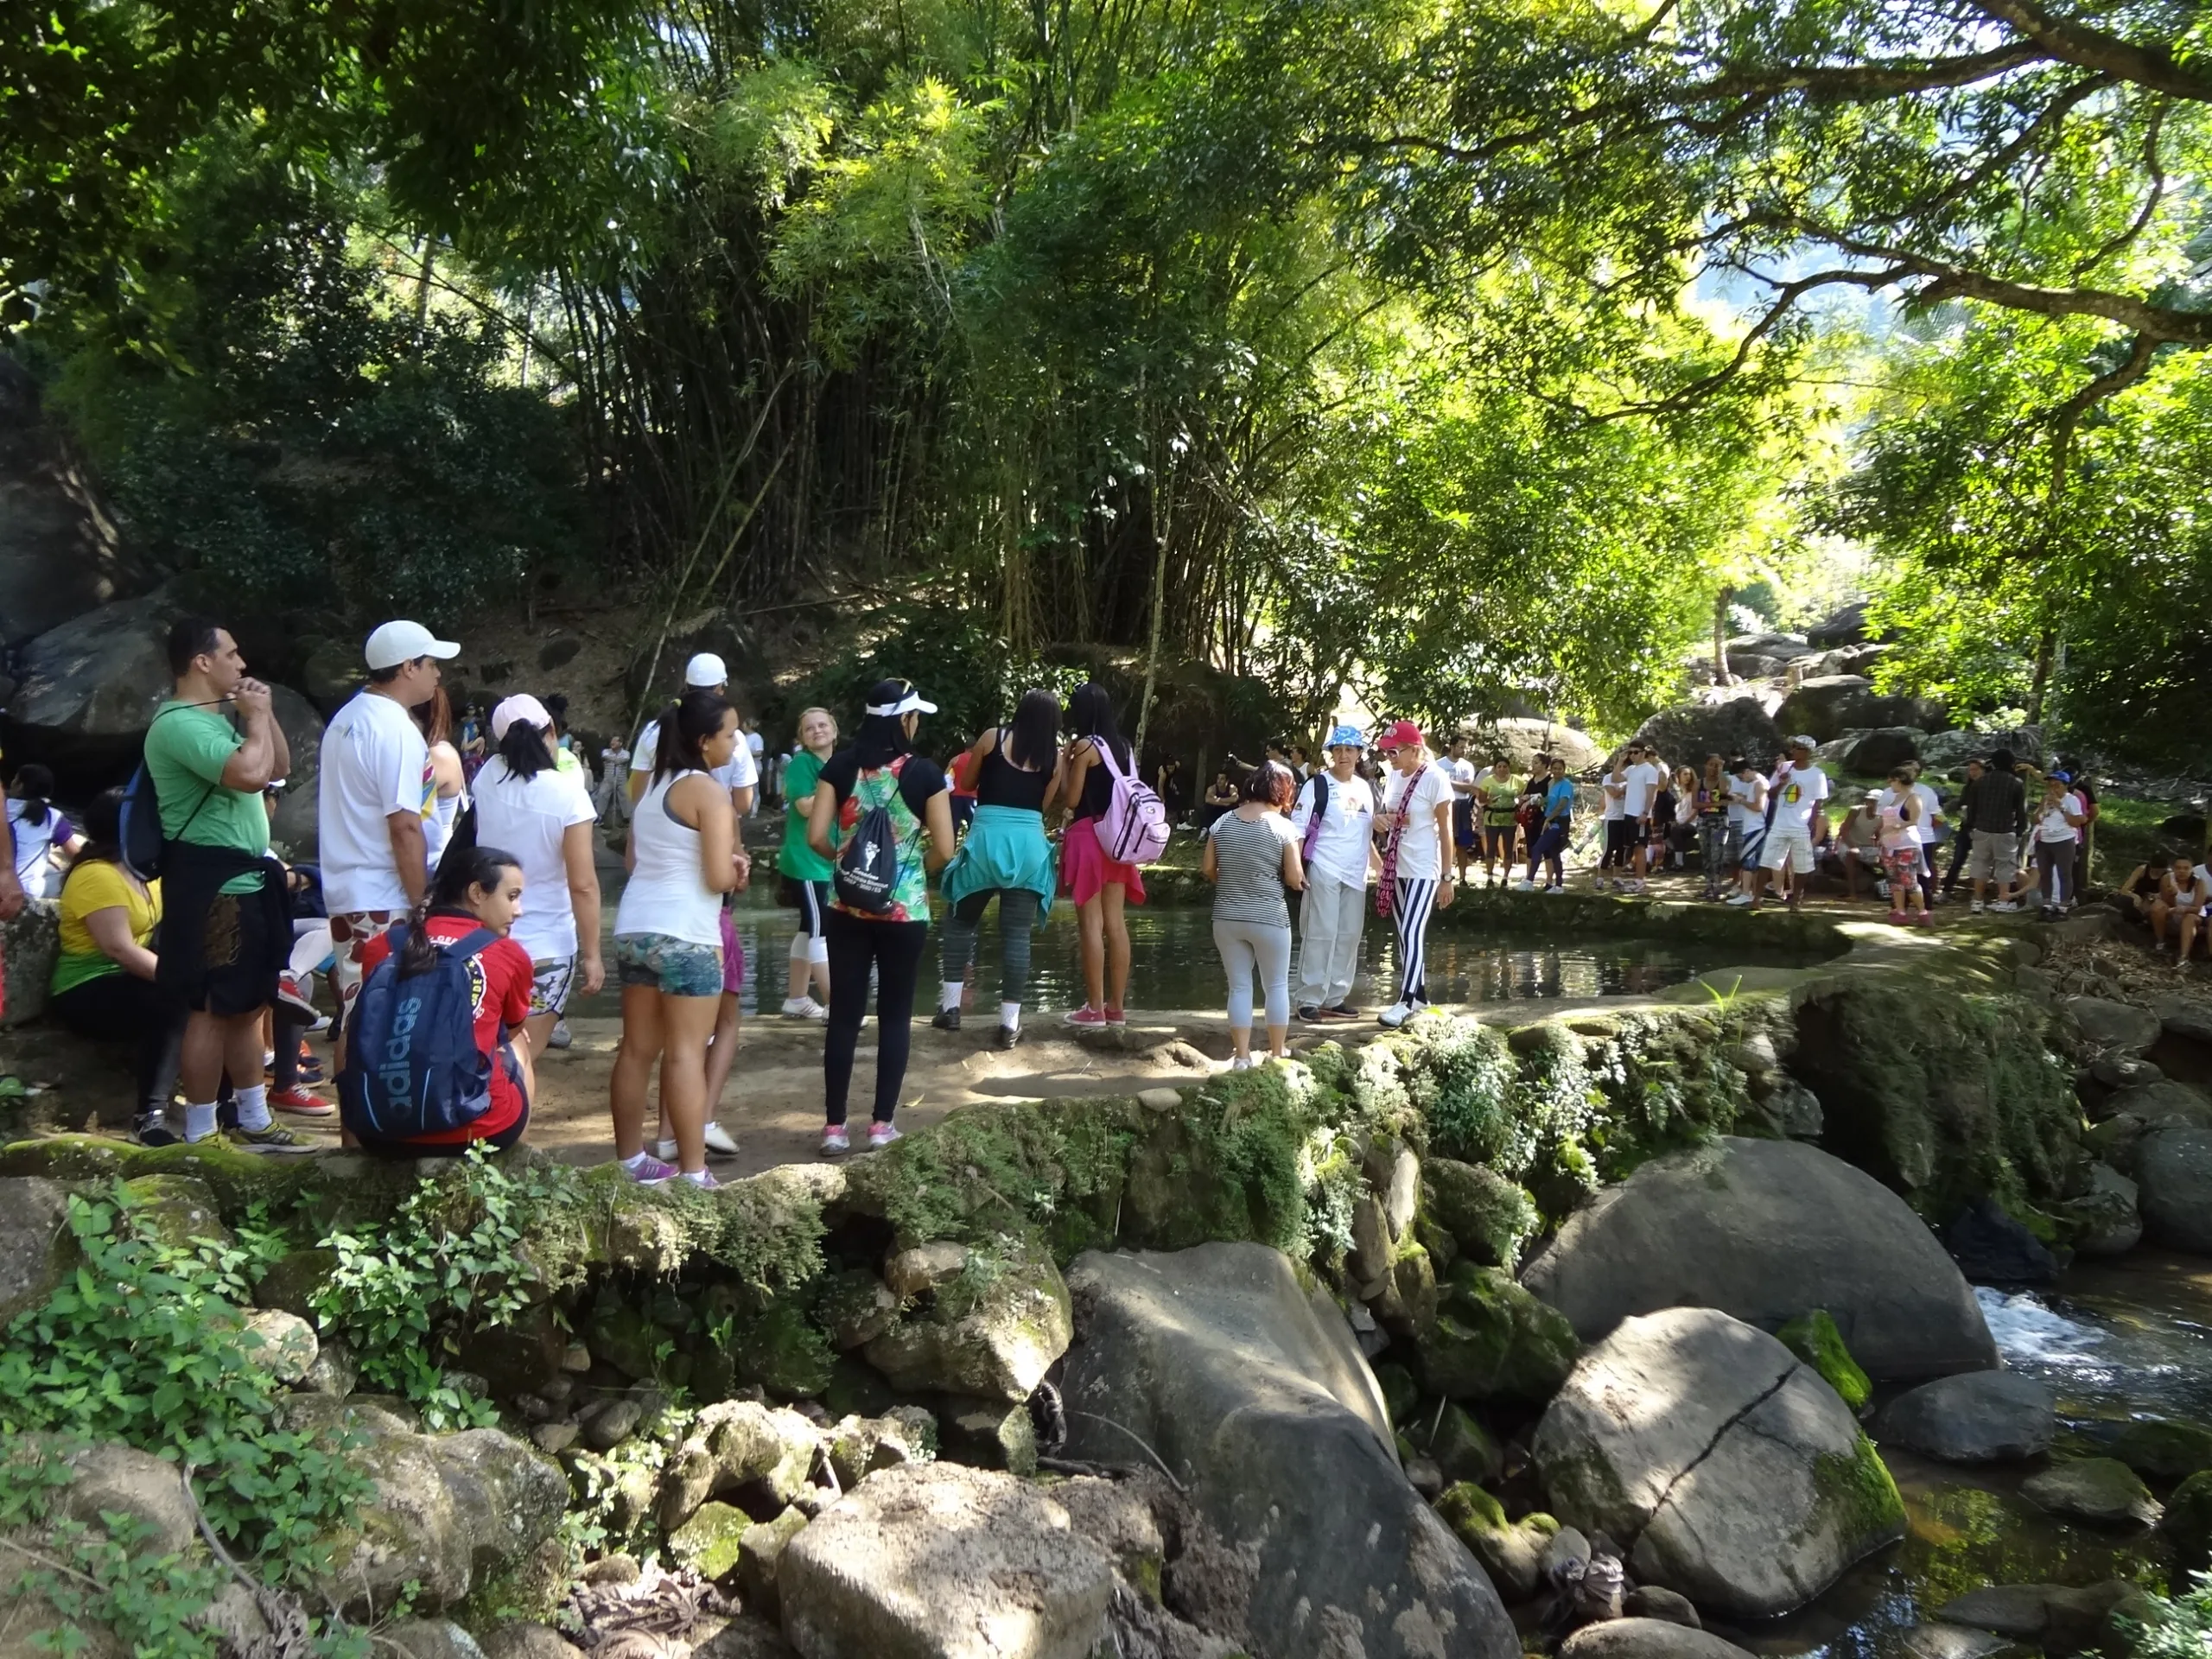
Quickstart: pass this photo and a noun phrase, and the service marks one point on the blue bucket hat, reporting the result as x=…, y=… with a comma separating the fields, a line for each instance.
x=1346, y=737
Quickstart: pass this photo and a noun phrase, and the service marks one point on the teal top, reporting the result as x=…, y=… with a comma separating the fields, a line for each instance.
x=1005, y=847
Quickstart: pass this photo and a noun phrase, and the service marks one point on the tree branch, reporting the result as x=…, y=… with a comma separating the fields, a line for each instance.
x=2068, y=416
x=2069, y=41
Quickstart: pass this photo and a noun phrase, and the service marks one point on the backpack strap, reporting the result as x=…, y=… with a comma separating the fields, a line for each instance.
x=475, y=943
x=1106, y=758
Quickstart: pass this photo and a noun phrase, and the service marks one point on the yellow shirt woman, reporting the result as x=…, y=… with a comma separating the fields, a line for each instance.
x=97, y=885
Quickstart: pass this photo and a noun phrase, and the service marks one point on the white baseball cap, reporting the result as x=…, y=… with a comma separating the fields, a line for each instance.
x=521, y=706
x=896, y=697
x=403, y=642
x=706, y=669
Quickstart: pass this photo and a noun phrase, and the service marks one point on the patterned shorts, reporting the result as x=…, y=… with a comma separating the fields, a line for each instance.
x=672, y=967
x=548, y=985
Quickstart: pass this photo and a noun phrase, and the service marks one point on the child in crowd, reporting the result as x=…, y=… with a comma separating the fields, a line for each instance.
x=1902, y=814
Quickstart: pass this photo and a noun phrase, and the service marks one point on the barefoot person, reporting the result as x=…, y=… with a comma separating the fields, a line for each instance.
x=1335, y=821
x=1100, y=886
x=227, y=920
x=1251, y=857
x=1415, y=825
x=879, y=769
x=668, y=936
x=1005, y=856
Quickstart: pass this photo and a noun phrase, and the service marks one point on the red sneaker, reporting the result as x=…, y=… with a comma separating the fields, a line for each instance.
x=1115, y=1017
x=1086, y=1016
x=294, y=996
x=298, y=1102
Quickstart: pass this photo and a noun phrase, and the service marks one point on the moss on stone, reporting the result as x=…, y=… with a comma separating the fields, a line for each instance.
x=782, y=1351
x=2165, y=1448
x=174, y=1209
x=1399, y=1393
x=1814, y=1339
x=1469, y=1510
x=711, y=1540
x=2188, y=1522
x=1488, y=1218
x=1493, y=1340
x=1854, y=1493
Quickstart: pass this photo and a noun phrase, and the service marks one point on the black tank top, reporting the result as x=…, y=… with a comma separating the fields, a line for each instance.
x=1001, y=783
x=1097, y=783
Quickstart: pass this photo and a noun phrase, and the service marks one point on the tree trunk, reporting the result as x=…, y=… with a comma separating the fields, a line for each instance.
x=1721, y=602
x=2046, y=648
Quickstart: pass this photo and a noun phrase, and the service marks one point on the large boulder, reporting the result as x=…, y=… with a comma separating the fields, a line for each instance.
x=1949, y=750
x=1873, y=752
x=1844, y=626
x=1979, y=1417
x=1521, y=741
x=2058, y=1619
x=60, y=555
x=1767, y=1230
x=1486, y=1215
x=1248, y=1388
x=2107, y=1219
x=1725, y=726
x=2103, y=1489
x=1762, y=656
x=730, y=1445
x=448, y=1512
x=1827, y=706
x=2173, y=1168
x=1646, y=1638
x=293, y=827
x=1731, y=1472
x=35, y=1246
x=1491, y=1339
x=2113, y=1024
x=937, y=1561
x=87, y=689
x=994, y=1331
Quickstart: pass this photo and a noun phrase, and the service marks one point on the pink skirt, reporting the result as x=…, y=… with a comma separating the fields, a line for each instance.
x=1084, y=868
x=733, y=958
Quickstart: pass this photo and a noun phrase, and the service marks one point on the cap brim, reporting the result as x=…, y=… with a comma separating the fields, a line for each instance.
x=443, y=650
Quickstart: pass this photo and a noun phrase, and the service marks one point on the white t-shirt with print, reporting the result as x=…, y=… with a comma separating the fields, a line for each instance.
x=528, y=816
x=743, y=771
x=2050, y=819
x=1420, y=856
x=1347, y=828
x=1800, y=791
x=374, y=762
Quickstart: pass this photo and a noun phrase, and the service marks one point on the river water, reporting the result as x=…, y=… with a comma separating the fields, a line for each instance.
x=2113, y=1339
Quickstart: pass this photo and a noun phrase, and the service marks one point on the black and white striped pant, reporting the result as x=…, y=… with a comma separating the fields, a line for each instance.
x=1411, y=905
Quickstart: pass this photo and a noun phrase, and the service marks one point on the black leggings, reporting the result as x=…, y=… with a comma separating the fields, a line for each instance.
x=894, y=950
x=120, y=1007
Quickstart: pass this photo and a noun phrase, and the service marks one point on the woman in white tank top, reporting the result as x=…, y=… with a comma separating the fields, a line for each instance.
x=436, y=719
x=682, y=857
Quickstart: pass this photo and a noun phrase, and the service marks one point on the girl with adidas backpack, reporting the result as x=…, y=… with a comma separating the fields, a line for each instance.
x=1117, y=823
x=882, y=816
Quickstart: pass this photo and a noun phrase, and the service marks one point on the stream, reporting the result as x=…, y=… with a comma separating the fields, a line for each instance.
x=2113, y=1338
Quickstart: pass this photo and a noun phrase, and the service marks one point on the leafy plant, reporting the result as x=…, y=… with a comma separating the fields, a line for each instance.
x=406, y=1290
x=2178, y=1626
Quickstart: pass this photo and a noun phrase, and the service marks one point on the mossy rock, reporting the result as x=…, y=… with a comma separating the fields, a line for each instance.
x=710, y=1542
x=292, y=1280
x=177, y=1210
x=2165, y=1448
x=1860, y=1488
x=2188, y=1522
x=1493, y=1340
x=1400, y=1394
x=1488, y=1217
x=987, y=1434
x=1461, y=1447
x=991, y=1332
x=1814, y=1339
x=783, y=1352
x=1509, y=1554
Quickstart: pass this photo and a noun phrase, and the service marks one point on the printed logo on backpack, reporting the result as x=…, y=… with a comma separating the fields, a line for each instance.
x=412, y=1066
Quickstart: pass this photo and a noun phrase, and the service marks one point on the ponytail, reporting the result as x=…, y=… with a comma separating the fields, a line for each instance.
x=463, y=865
x=35, y=790
x=523, y=748
x=685, y=726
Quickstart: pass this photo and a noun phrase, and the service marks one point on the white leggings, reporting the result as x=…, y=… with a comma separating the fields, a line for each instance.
x=1413, y=903
x=1246, y=946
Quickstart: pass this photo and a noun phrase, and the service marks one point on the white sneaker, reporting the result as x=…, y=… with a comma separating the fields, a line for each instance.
x=1524, y=885
x=1739, y=897
x=1597, y=884
x=803, y=1007
x=834, y=1143
x=880, y=1136
x=1397, y=1015
x=1240, y=1062
x=1976, y=908
x=2005, y=907
x=718, y=1140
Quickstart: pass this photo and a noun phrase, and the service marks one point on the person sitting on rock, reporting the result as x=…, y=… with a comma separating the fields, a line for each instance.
x=2184, y=897
x=2140, y=890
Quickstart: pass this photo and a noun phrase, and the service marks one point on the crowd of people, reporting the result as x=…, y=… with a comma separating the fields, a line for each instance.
x=456, y=905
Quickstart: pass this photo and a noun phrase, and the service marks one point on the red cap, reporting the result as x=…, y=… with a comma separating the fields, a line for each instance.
x=1403, y=734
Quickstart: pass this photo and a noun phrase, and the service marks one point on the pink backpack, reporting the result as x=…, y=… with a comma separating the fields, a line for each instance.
x=1133, y=829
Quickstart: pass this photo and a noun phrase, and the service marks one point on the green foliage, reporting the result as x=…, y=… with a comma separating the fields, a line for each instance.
x=1463, y=1087
x=145, y=1344
x=2177, y=1626
x=406, y=1289
x=107, y=1576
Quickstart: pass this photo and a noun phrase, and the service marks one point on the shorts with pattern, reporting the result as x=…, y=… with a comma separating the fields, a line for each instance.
x=673, y=967
x=1902, y=865
x=548, y=985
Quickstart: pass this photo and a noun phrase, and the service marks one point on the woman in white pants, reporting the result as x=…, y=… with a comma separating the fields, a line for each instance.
x=1251, y=857
x=1335, y=821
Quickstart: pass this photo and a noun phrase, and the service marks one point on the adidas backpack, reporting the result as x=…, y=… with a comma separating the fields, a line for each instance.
x=1133, y=829
x=412, y=1066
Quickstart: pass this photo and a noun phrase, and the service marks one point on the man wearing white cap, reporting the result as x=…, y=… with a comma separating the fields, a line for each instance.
x=374, y=790
x=1334, y=815
x=742, y=777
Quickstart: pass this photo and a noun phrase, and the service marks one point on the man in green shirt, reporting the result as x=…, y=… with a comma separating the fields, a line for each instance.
x=226, y=921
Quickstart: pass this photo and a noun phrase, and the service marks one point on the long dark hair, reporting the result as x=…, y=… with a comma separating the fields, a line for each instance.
x=1033, y=733
x=34, y=789
x=685, y=726
x=1090, y=713
x=103, y=826
x=460, y=868
x=523, y=748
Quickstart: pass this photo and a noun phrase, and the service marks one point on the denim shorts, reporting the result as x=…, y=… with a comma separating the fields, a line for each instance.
x=672, y=967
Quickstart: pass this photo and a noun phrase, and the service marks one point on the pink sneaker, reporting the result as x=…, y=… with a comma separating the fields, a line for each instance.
x=834, y=1142
x=1926, y=919
x=880, y=1136
x=1086, y=1016
x=649, y=1171
x=1116, y=1017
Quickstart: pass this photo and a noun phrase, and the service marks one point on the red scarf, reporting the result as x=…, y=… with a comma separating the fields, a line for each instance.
x=1386, y=891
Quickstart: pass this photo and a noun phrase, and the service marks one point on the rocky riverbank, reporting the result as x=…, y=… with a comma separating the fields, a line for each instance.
x=1446, y=1343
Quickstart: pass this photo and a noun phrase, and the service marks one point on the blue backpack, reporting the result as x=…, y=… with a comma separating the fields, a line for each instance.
x=412, y=1066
